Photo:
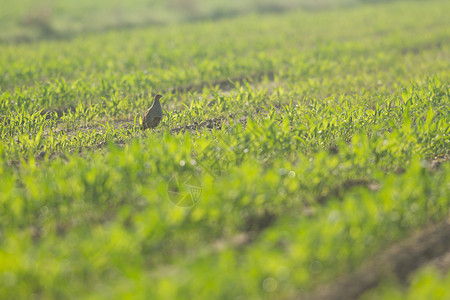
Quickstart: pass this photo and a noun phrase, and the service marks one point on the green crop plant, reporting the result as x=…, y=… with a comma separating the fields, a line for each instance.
x=312, y=141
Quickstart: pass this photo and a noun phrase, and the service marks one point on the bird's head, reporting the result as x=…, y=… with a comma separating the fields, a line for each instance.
x=157, y=97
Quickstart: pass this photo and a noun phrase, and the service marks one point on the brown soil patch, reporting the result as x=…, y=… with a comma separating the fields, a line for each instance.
x=436, y=162
x=429, y=246
x=442, y=263
x=210, y=124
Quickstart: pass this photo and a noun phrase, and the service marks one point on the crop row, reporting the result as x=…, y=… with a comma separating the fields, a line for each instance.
x=87, y=69
x=344, y=160
x=98, y=99
x=329, y=143
x=317, y=122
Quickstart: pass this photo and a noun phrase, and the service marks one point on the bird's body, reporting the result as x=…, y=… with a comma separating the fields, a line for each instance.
x=153, y=115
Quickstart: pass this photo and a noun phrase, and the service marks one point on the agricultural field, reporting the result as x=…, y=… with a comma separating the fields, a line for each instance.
x=27, y=20
x=302, y=154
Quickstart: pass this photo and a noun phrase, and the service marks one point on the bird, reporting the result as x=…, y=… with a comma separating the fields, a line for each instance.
x=153, y=115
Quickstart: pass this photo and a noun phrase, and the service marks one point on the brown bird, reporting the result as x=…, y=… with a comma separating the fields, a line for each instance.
x=153, y=115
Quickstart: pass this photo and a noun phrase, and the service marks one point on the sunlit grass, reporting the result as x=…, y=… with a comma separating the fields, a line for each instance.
x=315, y=139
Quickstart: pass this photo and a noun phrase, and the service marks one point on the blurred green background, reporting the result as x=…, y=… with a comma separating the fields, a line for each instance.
x=25, y=20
